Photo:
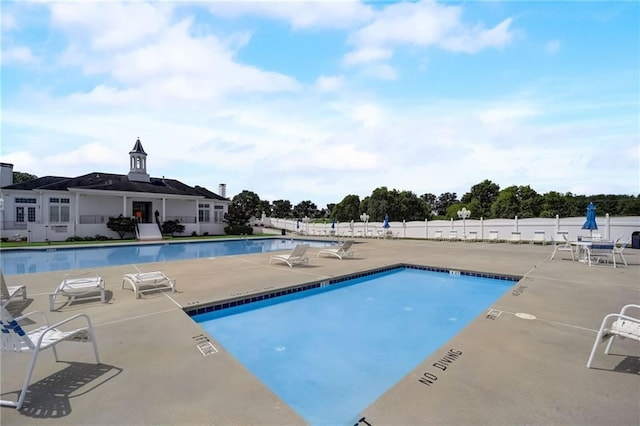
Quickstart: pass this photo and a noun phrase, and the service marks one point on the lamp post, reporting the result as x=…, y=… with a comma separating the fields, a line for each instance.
x=365, y=218
x=464, y=214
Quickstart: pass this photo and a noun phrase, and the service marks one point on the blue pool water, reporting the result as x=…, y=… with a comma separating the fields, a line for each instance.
x=45, y=260
x=332, y=351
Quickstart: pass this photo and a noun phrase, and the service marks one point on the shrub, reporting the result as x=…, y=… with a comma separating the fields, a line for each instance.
x=238, y=230
x=171, y=227
x=122, y=225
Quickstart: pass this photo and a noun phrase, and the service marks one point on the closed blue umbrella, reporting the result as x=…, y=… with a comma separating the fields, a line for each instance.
x=386, y=225
x=333, y=223
x=590, y=224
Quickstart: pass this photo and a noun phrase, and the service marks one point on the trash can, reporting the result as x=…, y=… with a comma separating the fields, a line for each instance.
x=284, y=231
x=635, y=240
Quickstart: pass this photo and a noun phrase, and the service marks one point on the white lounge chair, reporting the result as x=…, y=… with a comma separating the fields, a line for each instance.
x=83, y=286
x=623, y=326
x=437, y=235
x=515, y=237
x=340, y=252
x=296, y=257
x=9, y=292
x=146, y=282
x=493, y=236
x=561, y=243
x=453, y=235
x=14, y=338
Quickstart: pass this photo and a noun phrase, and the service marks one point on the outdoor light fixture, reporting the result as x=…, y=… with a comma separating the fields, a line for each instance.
x=365, y=218
x=464, y=214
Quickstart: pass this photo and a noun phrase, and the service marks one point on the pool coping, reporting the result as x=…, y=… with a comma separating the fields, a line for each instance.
x=271, y=293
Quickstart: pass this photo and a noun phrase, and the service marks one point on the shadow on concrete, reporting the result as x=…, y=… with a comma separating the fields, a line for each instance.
x=51, y=397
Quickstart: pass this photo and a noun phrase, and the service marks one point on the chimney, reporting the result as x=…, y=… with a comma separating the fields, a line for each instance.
x=222, y=190
x=6, y=174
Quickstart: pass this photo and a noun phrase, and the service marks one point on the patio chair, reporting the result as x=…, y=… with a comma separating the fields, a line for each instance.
x=561, y=243
x=340, y=252
x=453, y=235
x=438, y=235
x=9, y=292
x=623, y=326
x=515, y=237
x=296, y=257
x=146, y=282
x=14, y=338
x=601, y=251
x=617, y=250
x=74, y=287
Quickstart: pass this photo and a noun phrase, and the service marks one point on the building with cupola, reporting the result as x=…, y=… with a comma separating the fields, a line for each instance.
x=54, y=208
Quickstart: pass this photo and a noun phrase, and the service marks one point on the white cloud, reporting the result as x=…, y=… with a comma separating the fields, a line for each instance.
x=328, y=83
x=300, y=14
x=423, y=24
x=18, y=55
x=552, y=47
x=110, y=25
x=174, y=66
x=8, y=22
x=365, y=55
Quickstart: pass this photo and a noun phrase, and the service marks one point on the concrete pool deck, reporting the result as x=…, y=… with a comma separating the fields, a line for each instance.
x=501, y=369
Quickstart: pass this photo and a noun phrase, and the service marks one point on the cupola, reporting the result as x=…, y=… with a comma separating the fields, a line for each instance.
x=138, y=164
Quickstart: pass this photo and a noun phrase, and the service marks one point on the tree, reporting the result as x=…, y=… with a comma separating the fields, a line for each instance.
x=237, y=217
x=411, y=206
x=122, y=225
x=347, y=210
x=507, y=205
x=172, y=227
x=378, y=205
x=265, y=207
x=553, y=203
x=19, y=177
x=305, y=208
x=249, y=202
x=484, y=193
x=445, y=200
x=432, y=203
x=282, y=209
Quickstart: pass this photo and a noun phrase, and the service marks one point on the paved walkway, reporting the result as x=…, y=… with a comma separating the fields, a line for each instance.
x=500, y=369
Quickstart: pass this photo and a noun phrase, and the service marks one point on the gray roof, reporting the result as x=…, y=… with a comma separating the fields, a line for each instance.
x=114, y=182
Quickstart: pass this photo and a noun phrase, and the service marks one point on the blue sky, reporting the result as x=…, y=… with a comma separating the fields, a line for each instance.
x=302, y=100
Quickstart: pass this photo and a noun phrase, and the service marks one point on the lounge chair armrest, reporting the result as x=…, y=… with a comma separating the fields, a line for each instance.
x=64, y=321
x=619, y=316
x=28, y=314
x=624, y=308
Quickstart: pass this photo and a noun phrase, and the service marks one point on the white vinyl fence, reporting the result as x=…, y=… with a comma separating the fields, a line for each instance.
x=609, y=228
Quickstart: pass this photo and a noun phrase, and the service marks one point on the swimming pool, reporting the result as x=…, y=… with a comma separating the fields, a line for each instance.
x=331, y=351
x=55, y=259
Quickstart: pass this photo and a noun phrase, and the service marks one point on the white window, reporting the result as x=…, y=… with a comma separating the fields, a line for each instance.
x=31, y=214
x=204, y=213
x=218, y=213
x=58, y=210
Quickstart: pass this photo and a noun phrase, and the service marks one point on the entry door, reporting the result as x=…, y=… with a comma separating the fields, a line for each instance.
x=142, y=211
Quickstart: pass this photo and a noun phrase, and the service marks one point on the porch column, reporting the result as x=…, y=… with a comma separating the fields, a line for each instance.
x=164, y=210
x=197, y=215
x=77, y=213
x=124, y=206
